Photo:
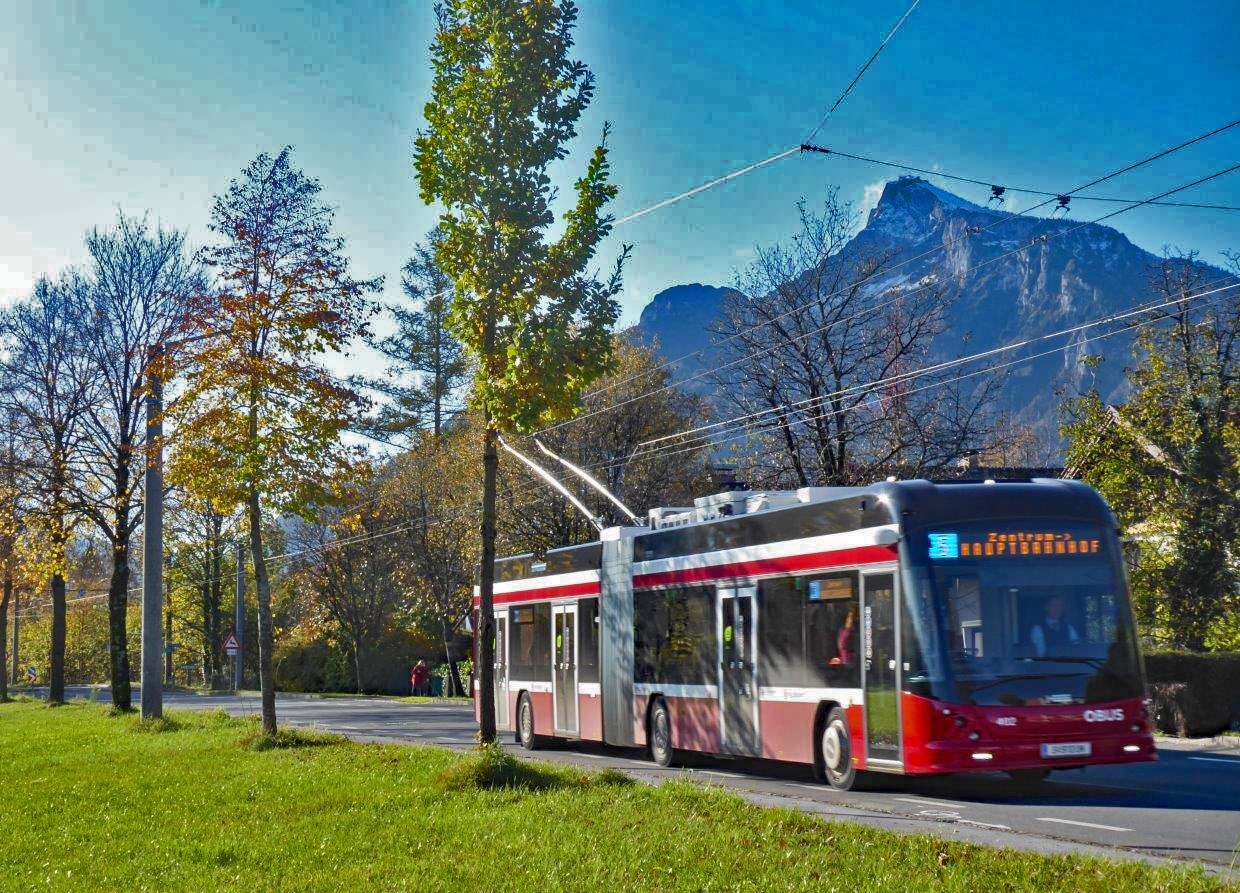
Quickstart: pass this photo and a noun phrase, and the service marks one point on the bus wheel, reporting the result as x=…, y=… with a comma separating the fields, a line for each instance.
x=1030, y=778
x=835, y=752
x=659, y=734
x=525, y=722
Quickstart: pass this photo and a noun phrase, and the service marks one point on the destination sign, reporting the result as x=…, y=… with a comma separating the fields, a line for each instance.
x=1011, y=544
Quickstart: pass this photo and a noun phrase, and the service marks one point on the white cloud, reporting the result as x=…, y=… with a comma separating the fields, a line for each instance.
x=869, y=199
x=14, y=283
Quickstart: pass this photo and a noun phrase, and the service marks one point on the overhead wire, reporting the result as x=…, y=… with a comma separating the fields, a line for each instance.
x=737, y=427
x=898, y=297
x=948, y=243
x=862, y=71
x=756, y=165
x=989, y=184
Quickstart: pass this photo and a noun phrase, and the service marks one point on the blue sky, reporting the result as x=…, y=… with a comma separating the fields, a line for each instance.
x=153, y=107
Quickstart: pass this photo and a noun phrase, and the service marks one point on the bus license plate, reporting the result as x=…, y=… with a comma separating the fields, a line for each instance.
x=1075, y=749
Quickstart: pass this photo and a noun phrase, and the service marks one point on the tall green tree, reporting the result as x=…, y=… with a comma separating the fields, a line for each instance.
x=505, y=101
x=427, y=365
x=261, y=418
x=1168, y=460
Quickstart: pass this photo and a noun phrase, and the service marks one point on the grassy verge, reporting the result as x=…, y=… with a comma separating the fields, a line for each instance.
x=94, y=802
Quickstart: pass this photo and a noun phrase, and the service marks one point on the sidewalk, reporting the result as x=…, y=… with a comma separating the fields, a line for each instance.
x=1226, y=744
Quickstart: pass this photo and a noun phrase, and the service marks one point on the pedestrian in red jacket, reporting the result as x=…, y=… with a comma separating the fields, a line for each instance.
x=419, y=679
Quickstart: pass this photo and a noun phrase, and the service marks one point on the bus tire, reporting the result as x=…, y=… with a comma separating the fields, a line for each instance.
x=835, y=751
x=659, y=734
x=525, y=722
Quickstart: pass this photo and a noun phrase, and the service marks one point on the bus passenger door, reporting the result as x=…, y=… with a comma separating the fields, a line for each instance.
x=564, y=656
x=501, y=669
x=738, y=668
x=882, y=712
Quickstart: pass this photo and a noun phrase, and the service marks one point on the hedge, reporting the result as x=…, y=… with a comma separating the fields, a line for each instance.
x=1194, y=695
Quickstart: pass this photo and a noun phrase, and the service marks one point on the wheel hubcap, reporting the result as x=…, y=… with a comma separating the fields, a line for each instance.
x=525, y=721
x=660, y=733
x=832, y=747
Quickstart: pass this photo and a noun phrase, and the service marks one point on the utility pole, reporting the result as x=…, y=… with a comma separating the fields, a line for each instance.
x=10, y=548
x=239, y=620
x=153, y=544
x=17, y=627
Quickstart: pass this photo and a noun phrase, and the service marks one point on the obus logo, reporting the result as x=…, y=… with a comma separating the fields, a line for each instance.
x=1112, y=715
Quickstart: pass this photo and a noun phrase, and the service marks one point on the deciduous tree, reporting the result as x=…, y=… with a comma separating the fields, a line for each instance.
x=505, y=101
x=137, y=290
x=49, y=386
x=261, y=418
x=813, y=351
x=1168, y=460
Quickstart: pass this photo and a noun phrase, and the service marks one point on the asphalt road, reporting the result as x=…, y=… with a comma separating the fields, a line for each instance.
x=1184, y=807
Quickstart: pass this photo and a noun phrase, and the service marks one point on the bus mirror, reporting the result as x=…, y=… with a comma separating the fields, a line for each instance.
x=885, y=536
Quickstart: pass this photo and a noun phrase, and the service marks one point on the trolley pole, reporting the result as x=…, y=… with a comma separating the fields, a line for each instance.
x=153, y=547
x=239, y=619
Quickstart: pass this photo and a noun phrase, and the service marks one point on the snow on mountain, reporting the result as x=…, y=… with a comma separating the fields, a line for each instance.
x=1010, y=277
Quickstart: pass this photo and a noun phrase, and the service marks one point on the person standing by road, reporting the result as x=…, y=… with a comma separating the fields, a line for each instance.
x=419, y=678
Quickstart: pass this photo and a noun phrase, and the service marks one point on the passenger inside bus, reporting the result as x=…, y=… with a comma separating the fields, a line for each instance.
x=846, y=642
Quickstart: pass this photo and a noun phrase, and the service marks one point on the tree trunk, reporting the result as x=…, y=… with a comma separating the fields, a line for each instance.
x=56, y=659
x=266, y=638
x=357, y=665
x=208, y=654
x=486, y=586
x=5, y=600
x=118, y=639
x=454, y=678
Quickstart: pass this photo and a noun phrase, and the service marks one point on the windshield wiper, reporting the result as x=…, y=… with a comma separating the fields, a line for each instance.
x=1067, y=659
x=1003, y=679
x=1096, y=662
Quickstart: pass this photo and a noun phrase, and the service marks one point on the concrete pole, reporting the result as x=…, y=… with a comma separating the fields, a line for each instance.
x=153, y=549
x=17, y=628
x=239, y=620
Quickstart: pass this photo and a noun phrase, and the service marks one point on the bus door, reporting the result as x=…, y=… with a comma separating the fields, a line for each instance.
x=882, y=711
x=738, y=669
x=564, y=675
x=501, y=669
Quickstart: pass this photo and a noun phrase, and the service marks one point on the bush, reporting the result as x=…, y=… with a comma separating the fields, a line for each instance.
x=492, y=768
x=1194, y=694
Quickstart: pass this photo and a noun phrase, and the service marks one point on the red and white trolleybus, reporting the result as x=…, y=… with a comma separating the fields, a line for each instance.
x=906, y=627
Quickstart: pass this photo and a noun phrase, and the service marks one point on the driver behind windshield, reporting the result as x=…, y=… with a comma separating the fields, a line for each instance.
x=1053, y=630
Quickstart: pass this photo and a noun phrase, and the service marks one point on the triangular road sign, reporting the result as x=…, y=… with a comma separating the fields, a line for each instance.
x=231, y=643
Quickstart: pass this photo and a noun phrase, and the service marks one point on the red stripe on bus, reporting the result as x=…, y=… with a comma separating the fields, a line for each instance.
x=766, y=566
x=593, y=587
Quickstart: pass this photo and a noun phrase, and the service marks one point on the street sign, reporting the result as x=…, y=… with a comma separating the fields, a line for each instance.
x=232, y=646
x=171, y=647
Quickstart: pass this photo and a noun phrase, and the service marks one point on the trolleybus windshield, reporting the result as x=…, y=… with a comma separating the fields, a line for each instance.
x=1032, y=613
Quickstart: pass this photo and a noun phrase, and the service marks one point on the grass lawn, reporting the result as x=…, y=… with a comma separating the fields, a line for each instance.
x=95, y=802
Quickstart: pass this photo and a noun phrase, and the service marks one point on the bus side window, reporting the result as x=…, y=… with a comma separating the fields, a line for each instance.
x=587, y=640
x=781, y=653
x=916, y=631
x=649, y=630
x=833, y=630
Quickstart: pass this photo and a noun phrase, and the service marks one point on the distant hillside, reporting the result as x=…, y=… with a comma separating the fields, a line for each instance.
x=678, y=321
x=1070, y=278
